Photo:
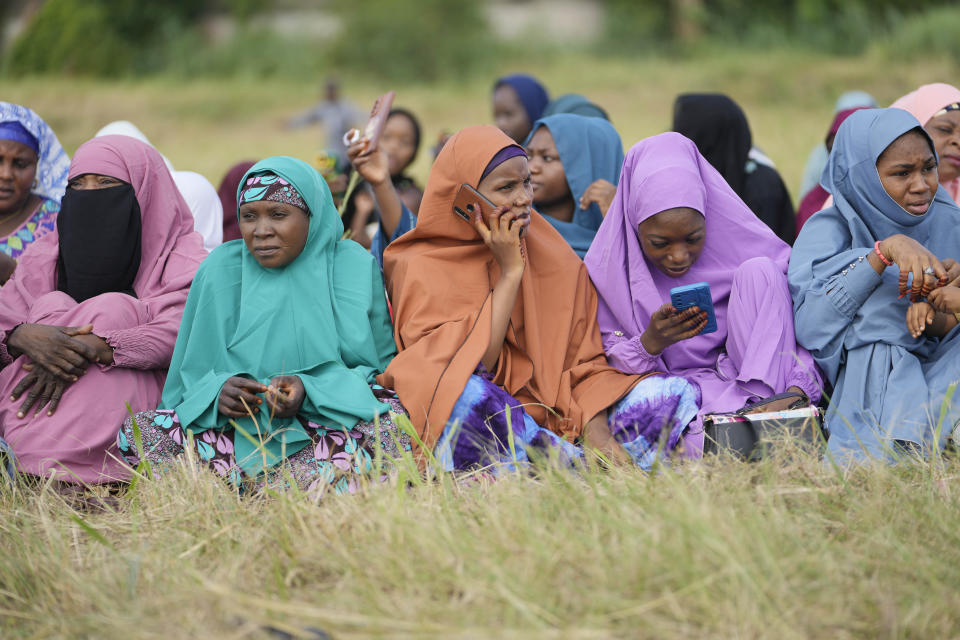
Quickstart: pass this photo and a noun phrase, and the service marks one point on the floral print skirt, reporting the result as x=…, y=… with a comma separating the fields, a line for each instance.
x=335, y=460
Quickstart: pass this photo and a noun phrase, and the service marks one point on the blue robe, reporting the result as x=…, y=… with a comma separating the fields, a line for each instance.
x=887, y=385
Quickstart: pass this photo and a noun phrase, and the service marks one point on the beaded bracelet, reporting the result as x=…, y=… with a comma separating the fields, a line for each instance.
x=876, y=248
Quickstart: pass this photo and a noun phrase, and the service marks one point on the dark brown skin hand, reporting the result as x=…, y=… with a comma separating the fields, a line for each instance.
x=55, y=349
x=44, y=389
x=285, y=396
x=235, y=392
x=669, y=326
x=7, y=266
x=912, y=258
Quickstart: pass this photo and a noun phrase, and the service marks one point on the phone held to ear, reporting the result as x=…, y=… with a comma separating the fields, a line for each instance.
x=695, y=295
x=466, y=201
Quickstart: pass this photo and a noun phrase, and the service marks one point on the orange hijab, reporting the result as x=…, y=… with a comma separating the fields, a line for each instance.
x=440, y=277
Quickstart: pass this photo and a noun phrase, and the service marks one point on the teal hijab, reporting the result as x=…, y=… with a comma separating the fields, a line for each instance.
x=589, y=149
x=323, y=317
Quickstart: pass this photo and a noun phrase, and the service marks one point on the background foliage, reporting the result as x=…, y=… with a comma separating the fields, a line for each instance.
x=426, y=40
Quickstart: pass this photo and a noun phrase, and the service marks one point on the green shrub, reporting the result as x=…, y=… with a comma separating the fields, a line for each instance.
x=59, y=39
x=936, y=32
x=413, y=40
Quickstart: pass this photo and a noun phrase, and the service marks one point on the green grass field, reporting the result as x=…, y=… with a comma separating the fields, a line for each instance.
x=780, y=549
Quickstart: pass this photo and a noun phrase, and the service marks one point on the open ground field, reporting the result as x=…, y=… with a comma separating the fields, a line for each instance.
x=780, y=549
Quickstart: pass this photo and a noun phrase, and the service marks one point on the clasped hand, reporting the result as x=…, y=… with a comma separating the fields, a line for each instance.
x=59, y=356
x=240, y=397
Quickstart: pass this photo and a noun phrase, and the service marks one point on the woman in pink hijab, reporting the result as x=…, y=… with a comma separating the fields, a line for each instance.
x=675, y=221
x=937, y=107
x=90, y=317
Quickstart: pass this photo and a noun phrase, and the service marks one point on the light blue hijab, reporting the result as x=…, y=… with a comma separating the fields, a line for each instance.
x=53, y=164
x=590, y=150
x=887, y=384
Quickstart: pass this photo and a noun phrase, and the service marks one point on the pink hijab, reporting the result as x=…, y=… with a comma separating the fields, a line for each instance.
x=923, y=104
x=171, y=250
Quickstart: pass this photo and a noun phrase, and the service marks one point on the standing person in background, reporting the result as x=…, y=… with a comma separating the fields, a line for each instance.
x=518, y=102
x=817, y=159
x=574, y=168
x=196, y=190
x=33, y=176
x=228, y=199
x=719, y=128
x=337, y=115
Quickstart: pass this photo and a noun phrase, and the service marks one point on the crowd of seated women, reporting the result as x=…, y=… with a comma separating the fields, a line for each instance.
x=539, y=324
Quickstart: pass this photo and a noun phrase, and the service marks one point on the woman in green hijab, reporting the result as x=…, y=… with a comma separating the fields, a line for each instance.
x=282, y=337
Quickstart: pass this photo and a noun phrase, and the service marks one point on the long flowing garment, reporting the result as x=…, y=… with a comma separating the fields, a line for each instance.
x=754, y=353
x=888, y=386
x=76, y=443
x=488, y=426
x=336, y=458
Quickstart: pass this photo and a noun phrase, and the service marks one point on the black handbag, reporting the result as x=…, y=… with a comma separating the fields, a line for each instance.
x=753, y=436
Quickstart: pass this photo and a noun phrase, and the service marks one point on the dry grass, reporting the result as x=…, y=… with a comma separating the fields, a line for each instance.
x=720, y=549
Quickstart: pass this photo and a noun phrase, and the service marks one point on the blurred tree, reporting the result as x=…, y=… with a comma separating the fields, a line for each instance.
x=419, y=40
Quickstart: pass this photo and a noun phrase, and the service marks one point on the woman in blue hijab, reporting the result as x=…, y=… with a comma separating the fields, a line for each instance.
x=574, y=168
x=890, y=359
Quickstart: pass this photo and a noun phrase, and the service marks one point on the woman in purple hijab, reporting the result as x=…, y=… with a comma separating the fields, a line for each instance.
x=675, y=221
x=89, y=319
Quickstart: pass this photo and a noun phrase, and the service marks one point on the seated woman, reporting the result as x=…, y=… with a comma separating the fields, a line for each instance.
x=574, y=168
x=281, y=339
x=196, y=190
x=89, y=318
x=719, y=128
x=385, y=172
x=33, y=175
x=889, y=361
x=937, y=107
x=576, y=104
x=675, y=221
x=518, y=102
x=497, y=312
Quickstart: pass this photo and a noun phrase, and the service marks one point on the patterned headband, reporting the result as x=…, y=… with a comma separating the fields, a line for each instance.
x=269, y=186
x=955, y=106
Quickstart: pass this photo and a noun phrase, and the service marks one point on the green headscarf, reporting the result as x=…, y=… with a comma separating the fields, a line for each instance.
x=323, y=317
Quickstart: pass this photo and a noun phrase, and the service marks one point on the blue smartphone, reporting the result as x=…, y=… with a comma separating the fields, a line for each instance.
x=695, y=295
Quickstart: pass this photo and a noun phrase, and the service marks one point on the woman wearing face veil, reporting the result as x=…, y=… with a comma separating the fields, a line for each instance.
x=496, y=312
x=890, y=360
x=90, y=316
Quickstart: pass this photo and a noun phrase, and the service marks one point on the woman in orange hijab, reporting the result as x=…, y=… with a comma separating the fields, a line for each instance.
x=496, y=328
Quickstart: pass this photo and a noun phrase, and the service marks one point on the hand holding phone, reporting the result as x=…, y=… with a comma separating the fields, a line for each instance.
x=375, y=124
x=681, y=319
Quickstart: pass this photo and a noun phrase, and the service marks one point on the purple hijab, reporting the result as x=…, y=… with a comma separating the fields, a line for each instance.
x=660, y=173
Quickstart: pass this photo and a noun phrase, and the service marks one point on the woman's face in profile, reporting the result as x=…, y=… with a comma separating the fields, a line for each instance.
x=908, y=172
x=673, y=239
